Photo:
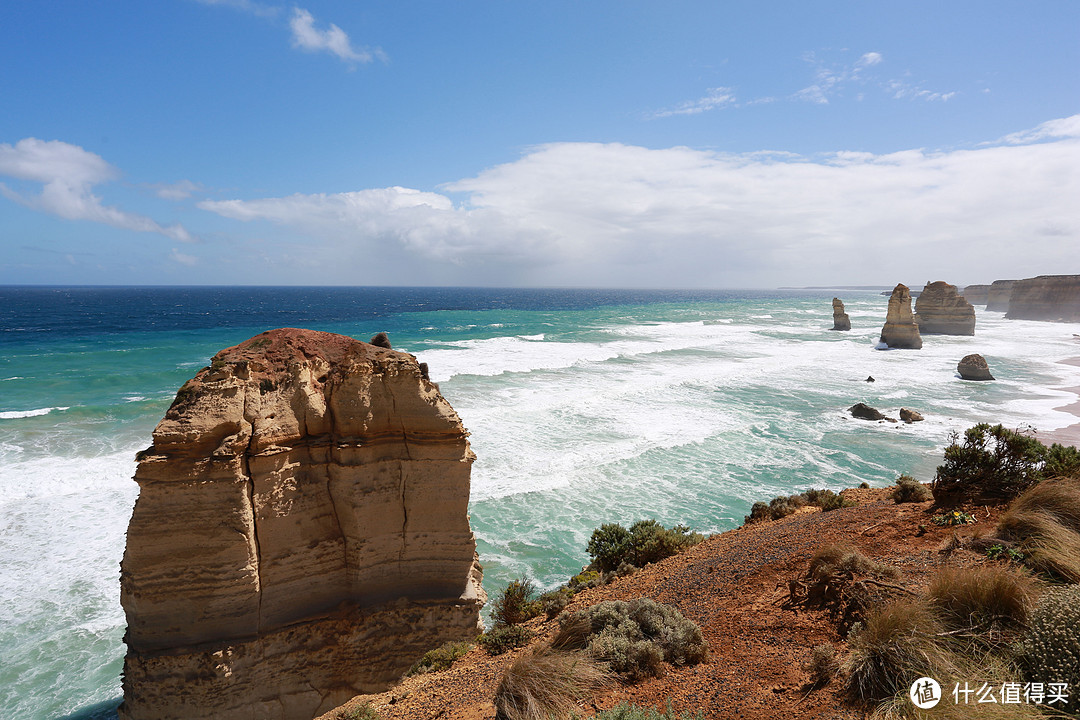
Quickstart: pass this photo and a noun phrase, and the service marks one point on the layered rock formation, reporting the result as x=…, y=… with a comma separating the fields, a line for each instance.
x=840, y=319
x=997, y=298
x=974, y=367
x=940, y=310
x=976, y=294
x=900, y=330
x=301, y=533
x=1047, y=297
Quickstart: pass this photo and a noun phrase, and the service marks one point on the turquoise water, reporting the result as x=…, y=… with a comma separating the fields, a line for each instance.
x=585, y=407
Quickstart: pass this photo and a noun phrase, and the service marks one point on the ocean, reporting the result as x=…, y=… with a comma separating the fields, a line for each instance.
x=585, y=407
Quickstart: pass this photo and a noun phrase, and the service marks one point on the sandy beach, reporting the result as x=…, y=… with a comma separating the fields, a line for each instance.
x=1069, y=435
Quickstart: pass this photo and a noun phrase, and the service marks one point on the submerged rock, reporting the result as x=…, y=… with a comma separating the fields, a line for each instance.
x=974, y=367
x=900, y=330
x=301, y=534
x=840, y=319
x=940, y=310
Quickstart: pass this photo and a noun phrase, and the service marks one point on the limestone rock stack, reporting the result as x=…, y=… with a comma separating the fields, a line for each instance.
x=840, y=319
x=997, y=298
x=939, y=310
x=301, y=534
x=900, y=330
x=1047, y=297
x=976, y=294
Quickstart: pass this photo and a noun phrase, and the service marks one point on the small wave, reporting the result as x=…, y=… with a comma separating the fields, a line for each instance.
x=134, y=398
x=16, y=414
x=16, y=377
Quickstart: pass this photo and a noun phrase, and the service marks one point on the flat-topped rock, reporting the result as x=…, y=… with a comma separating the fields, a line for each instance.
x=940, y=310
x=1048, y=297
x=301, y=533
x=901, y=330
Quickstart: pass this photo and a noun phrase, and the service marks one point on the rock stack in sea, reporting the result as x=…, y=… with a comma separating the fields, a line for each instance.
x=1046, y=297
x=301, y=534
x=976, y=294
x=900, y=330
x=840, y=319
x=940, y=310
x=974, y=367
x=997, y=297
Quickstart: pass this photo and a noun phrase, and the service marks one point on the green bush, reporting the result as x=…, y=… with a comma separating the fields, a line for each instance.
x=996, y=462
x=554, y=602
x=634, y=637
x=441, y=658
x=783, y=505
x=910, y=490
x=364, y=712
x=759, y=511
x=830, y=501
x=517, y=603
x=1050, y=651
x=627, y=711
x=502, y=638
x=646, y=541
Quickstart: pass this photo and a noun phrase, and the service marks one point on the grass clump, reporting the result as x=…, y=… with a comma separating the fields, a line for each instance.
x=985, y=600
x=441, y=658
x=1050, y=651
x=1044, y=525
x=545, y=683
x=629, y=711
x=517, y=603
x=364, y=712
x=910, y=490
x=996, y=462
x=823, y=664
x=846, y=582
x=635, y=638
x=503, y=638
x=646, y=541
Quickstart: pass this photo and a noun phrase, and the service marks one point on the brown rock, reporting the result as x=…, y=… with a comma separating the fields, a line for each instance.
x=974, y=367
x=1047, y=297
x=301, y=533
x=976, y=294
x=997, y=298
x=840, y=319
x=900, y=330
x=380, y=339
x=863, y=411
x=910, y=416
x=940, y=310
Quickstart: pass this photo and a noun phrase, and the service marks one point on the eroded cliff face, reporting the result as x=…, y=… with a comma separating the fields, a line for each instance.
x=1046, y=297
x=840, y=319
x=301, y=534
x=900, y=330
x=939, y=310
x=997, y=297
x=976, y=294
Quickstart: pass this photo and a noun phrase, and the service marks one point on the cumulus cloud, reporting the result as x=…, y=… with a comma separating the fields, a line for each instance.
x=333, y=39
x=612, y=214
x=716, y=97
x=68, y=175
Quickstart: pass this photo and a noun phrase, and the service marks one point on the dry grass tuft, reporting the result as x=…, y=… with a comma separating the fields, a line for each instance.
x=544, y=683
x=846, y=582
x=983, y=598
x=1044, y=523
x=823, y=664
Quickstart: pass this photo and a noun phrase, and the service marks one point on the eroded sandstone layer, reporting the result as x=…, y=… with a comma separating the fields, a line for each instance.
x=997, y=298
x=301, y=534
x=900, y=330
x=940, y=310
x=976, y=294
x=1047, y=297
x=840, y=319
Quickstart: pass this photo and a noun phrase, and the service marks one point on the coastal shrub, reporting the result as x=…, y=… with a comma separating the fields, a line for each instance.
x=645, y=542
x=783, y=505
x=517, y=603
x=545, y=683
x=846, y=582
x=634, y=637
x=503, y=638
x=585, y=579
x=984, y=598
x=823, y=664
x=1050, y=651
x=897, y=644
x=758, y=512
x=1044, y=524
x=629, y=711
x=363, y=712
x=554, y=602
x=829, y=501
x=441, y=658
x=910, y=490
x=996, y=462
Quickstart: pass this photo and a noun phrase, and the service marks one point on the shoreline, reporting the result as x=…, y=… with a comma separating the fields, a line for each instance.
x=1070, y=434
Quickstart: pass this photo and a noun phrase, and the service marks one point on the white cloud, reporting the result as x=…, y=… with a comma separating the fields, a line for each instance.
x=611, y=214
x=716, y=97
x=868, y=59
x=181, y=190
x=903, y=90
x=182, y=259
x=68, y=174
x=246, y=6
x=333, y=40
x=1061, y=128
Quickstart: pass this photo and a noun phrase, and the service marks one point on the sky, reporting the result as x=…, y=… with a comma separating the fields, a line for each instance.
x=610, y=143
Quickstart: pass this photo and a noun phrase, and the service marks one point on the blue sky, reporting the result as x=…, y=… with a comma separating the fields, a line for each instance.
x=628, y=143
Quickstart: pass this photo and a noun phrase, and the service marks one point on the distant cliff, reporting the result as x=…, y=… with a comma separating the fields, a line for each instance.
x=976, y=294
x=301, y=533
x=1046, y=297
x=997, y=298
